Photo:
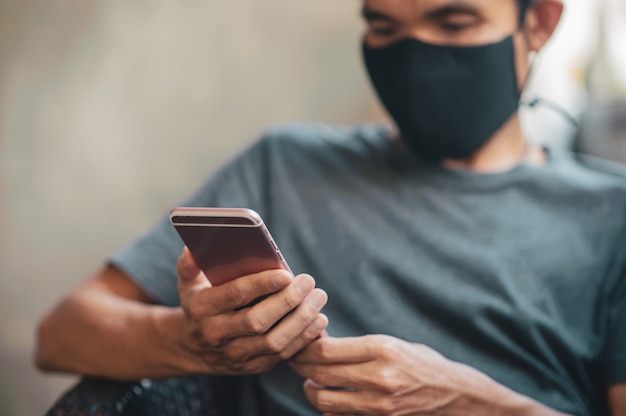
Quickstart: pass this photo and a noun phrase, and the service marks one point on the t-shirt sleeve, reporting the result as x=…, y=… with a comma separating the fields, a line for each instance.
x=151, y=259
x=615, y=356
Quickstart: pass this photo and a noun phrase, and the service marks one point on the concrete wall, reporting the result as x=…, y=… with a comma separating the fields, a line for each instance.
x=110, y=111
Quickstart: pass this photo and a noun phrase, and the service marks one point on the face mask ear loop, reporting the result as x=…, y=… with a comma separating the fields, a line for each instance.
x=522, y=88
x=533, y=102
x=534, y=58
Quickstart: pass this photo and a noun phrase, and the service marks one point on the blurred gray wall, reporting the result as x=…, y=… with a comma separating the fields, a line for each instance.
x=112, y=111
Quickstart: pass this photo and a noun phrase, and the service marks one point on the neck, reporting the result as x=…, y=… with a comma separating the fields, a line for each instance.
x=505, y=150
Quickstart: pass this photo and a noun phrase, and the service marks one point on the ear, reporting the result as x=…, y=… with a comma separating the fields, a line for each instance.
x=542, y=19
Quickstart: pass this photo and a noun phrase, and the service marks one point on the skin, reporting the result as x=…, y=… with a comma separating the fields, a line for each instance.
x=110, y=316
x=388, y=376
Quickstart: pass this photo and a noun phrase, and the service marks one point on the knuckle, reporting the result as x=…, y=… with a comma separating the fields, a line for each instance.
x=387, y=353
x=209, y=335
x=254, y=323
x=286, y=354
x=429, y=352
x=326, y=350
x=384, y=346
x=198, y=336
x=235, y=295
x=319, y=376
x=215, y=343
x=196, y=309
x=211, y=339
x=386, y=406
x=274, y=344
x=323, y=401
x=261, y=365
x=293, y=347
x=306, y=315
x=236, y=355
x=311, y=332
x=291, y=299
x=389, y=380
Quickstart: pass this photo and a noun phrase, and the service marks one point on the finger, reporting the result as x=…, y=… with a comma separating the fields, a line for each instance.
x=363, y=376
x=285, y=343
x=294, y=332
x=189, y=274
x=341, y=402
x=314, y=331
x=247, y=348
x=296, y=328
x=261, y=317
x=243, y=291
x=191, y=280
x=329, y=350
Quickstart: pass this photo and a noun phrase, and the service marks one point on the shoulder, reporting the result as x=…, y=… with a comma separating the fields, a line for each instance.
x=589, y=173
x=322, y=150
x=293, y=155
x=316, y=138
x=287, y=142
x=292, y=148
x=597, y=187
x=612, y=172
x=587, y=192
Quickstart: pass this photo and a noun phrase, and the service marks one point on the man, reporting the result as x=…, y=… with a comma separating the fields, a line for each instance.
x=495, y=269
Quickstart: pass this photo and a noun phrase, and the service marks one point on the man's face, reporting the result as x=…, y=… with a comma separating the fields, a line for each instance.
x=446, y=22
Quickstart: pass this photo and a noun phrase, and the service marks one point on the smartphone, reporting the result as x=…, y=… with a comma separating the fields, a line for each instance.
x=227, y=243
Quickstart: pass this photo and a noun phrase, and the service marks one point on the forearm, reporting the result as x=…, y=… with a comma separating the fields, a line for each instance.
x=486, y=396
x=109, y=336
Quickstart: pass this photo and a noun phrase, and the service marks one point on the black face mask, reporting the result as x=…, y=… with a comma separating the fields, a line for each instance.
x=447, y=101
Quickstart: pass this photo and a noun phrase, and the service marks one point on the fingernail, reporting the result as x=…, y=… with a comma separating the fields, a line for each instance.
x=319, y=298
x=305, y=284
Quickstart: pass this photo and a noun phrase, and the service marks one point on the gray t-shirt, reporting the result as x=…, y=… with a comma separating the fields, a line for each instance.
x=520, y=274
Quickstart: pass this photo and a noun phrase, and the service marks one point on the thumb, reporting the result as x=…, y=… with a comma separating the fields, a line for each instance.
x=189, y=273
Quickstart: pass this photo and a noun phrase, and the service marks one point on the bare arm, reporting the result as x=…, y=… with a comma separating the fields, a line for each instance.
x=617, y=399
x=108, y=327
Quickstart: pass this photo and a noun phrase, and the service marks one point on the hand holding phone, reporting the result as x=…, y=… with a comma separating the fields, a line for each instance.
x=230, y=339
